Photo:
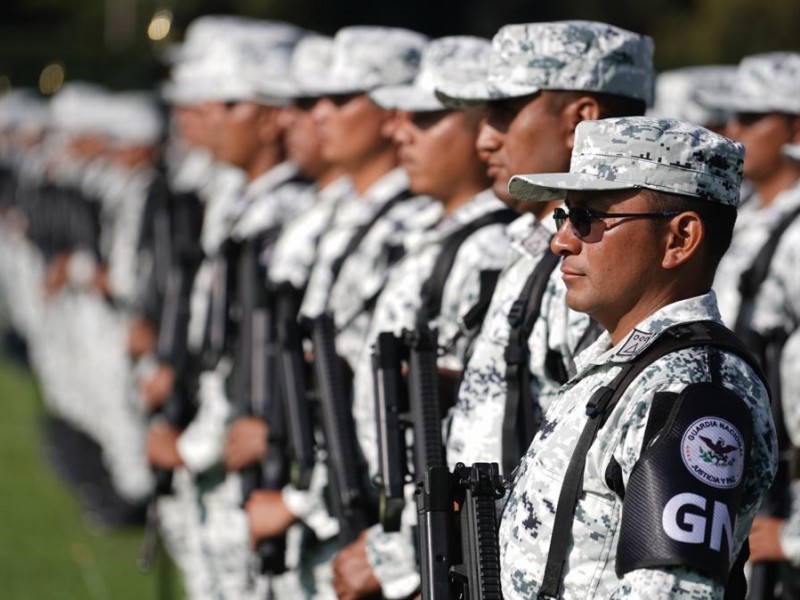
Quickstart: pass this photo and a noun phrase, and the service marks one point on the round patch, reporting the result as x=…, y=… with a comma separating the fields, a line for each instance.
x=713, y=451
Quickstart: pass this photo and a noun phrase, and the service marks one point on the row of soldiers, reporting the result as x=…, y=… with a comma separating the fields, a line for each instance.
x=345, y=307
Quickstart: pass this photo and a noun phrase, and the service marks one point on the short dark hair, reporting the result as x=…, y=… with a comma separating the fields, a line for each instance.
x=718, y=220
x=611, y=105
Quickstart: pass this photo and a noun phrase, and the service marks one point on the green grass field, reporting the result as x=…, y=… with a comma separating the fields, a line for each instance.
x=45, y=551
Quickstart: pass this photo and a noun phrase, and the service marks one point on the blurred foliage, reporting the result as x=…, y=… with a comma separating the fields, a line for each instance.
x=75, y=32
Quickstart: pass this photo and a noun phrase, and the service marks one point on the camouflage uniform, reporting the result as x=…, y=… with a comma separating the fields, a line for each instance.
x=607, y=156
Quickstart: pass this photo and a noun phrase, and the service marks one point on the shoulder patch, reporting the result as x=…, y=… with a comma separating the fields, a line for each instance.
x=637, y=340
x=713, y=451
x=538, y=241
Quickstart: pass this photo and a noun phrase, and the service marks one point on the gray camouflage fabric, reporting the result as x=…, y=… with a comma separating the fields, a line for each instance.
x=764, y=83
x=475, y=421
x=447, y=60
x=527, y=520
x=565, y=55
x=295, y=250
x=665, y=155
x=678, y=94
x=365, y=57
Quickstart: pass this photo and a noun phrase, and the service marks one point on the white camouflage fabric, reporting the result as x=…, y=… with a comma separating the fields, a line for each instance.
x=562, y=55
x=527, y=520
x=447, y=60
x=392, y=555
x=665, y=155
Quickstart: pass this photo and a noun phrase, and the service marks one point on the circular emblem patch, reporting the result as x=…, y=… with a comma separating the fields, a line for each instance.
x=713, y=451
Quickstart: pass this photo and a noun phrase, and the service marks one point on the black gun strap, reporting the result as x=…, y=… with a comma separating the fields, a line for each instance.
x=679, y=337
x=751, y=280
x=433, y=288
x=518, y=420
x=362, y=231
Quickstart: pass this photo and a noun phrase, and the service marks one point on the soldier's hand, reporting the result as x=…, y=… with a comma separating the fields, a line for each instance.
x=352, y=574
x=267, y=515
x=142, y=338
x=246, y=443
x=157, y=388
x=101, y=283
x=765, y=540
x=162, y=446
x=57, y=274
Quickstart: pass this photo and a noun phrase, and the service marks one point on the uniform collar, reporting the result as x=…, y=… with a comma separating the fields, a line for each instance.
x=275, y=177
x=387, y=187
x=698, y=308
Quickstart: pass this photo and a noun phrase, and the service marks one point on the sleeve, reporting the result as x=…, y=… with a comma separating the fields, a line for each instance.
x=201, y=444
x=790, y=533
x=790, y=386
x=309, y=505
x=393, y=555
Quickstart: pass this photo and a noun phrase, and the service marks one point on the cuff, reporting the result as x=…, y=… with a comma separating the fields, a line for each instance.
x=393, y=561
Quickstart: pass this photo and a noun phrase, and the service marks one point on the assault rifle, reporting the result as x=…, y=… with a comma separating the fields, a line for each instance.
x=350, y=499
x=397, y=410
x=254, y=385
x=469, y=569
x=293, y=376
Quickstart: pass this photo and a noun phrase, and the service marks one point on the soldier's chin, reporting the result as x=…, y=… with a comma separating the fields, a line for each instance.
x=500, y=189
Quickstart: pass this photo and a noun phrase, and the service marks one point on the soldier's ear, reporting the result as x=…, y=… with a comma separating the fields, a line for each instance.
x=583, y=108
x=684, y=240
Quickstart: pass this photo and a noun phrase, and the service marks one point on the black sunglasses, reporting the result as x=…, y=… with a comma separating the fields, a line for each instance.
x=581, y=218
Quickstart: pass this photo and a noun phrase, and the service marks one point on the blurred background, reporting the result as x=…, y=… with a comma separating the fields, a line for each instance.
x=46, y=550
x=44, y=42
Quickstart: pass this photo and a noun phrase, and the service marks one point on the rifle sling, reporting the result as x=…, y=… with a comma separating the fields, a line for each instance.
x=600, y=405
x=519, y=419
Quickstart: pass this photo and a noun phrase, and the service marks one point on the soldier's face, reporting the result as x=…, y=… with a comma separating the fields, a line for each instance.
x=524, y=135
x=302, y=140
x=614, y=272
x=763, y=137
x=238, y=140
x=351, y=129
x=437, y=151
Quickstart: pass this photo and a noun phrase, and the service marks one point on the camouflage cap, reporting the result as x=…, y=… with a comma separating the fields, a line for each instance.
x=311, y=59
x=449, y=60
x=566, y=55
x=678, y=93
x=133, y=119
x=249, y=62
x=665, y=155
x=366, y=57
x=764, y=83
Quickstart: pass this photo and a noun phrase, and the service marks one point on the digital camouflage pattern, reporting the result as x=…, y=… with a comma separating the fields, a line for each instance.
x=665, y=155
x=364, y=273
x=448, y=60
x=474, y=430
x=565, y=55
x=295, y=250
x=752, y=230
x=764, y=83
x=527, y=520
x=365, y=57
x=678, y=94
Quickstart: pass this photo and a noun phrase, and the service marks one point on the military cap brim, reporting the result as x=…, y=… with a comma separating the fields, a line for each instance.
x=406, y=97
x=554, y=186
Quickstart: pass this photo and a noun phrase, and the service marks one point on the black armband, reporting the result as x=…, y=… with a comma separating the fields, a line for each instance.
x=684, y=493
